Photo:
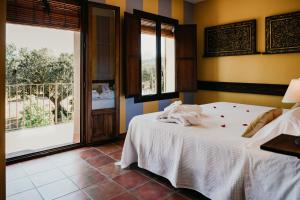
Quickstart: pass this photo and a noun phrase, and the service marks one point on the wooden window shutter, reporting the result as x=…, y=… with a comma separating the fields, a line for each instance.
x=132, y=33
x=186, y=58
x=60, y=14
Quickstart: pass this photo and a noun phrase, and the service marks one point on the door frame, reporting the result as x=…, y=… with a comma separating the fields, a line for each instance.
x=82, y=142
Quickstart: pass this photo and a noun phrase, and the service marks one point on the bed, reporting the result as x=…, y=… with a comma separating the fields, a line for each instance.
x=102, y=103
x=212, y=158
x=103, y=96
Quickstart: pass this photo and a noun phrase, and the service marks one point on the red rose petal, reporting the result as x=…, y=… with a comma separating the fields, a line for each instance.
x=223, y=125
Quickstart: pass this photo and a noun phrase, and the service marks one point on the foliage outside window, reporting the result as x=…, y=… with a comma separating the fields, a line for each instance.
x=33, y=76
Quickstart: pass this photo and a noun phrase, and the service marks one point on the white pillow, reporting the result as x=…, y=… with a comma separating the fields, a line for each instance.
x=288, y=123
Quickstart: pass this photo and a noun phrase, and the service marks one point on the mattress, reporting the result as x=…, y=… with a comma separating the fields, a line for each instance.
x=102, y=103
x=211, y=158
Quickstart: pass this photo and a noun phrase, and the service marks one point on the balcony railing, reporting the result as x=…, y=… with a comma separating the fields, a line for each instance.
x=34, y=105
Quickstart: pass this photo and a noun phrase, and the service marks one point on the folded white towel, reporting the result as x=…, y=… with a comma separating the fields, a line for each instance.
x=179, y=113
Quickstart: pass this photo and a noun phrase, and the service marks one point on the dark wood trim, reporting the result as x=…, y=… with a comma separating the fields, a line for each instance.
x=103, y=81
x=283, y=144
x=251, y=88
x=88, y=73
x=43, y=153
x=122, y=136
x=83, y=63
x=158, y=19
x=158, y=58
x=140, y=99
x=61, y=149
x=103, y=5
x=151, y=16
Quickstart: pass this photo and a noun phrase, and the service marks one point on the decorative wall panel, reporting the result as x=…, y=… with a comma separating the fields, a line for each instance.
x=231, y=39
x=283, y=33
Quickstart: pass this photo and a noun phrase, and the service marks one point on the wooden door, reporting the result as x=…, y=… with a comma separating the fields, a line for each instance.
x=103, y=85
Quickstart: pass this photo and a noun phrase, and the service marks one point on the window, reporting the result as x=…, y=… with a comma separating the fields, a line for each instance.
x=167, y=58
x=148, y=57
x=157, y=57
x=160, y=57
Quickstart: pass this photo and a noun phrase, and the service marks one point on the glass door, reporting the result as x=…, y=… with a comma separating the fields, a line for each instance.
x=43, y=76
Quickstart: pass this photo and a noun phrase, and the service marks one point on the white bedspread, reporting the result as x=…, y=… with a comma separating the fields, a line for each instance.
x=271, y=175
x=211, y=158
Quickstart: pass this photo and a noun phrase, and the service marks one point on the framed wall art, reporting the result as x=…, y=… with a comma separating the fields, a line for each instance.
x=231, y=39
x=283, y=33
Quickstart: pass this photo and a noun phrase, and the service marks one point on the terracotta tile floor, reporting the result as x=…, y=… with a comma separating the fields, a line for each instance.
x=88, y=173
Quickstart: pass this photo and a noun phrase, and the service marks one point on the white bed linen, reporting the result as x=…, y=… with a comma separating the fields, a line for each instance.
x=210, y=158
x=271, y=175
x=102, y=103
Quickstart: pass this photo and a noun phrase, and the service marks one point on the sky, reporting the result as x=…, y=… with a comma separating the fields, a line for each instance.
x=32, y=37
x=148, y=46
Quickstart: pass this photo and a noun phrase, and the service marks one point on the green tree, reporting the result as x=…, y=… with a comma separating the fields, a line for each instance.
x=39, y=66
x=11, y=64
x=35, y=116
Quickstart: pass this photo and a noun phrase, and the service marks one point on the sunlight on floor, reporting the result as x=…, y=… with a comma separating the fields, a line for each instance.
x=32, y=139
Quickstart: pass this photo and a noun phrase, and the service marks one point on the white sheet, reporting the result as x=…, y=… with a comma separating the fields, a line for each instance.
x=102, y=103
x=211, y=158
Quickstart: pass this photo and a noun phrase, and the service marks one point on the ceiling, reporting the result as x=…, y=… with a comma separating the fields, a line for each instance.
x=194, y=1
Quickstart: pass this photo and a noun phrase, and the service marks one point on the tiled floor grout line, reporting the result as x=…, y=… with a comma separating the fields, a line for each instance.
x=20, y=192
x=66, y=194
x=49, y=182
x=87, y=194
x=131, y=189
x=109, y=175
x=40, y=194
x=24, y=190
x=29, y=177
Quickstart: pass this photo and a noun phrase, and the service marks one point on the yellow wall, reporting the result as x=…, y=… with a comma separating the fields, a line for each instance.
x=2, y=98
x=274, y=69
x=178, y=10
x=150, y=6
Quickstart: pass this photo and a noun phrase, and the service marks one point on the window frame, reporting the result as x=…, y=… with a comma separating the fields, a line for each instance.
x=158, y=19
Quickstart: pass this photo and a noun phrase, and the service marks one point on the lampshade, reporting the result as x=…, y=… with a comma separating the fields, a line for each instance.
x=292, y=94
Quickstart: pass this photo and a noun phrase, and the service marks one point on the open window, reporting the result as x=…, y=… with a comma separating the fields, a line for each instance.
x=160, y=60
